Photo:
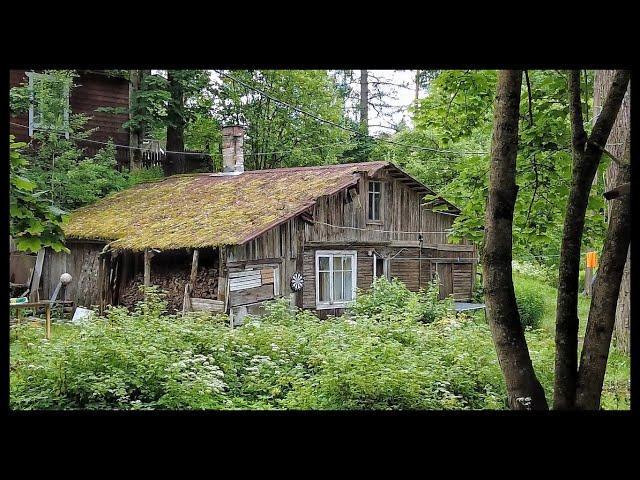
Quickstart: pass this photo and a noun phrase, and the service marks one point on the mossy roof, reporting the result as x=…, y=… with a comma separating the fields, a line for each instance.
x=208, y=210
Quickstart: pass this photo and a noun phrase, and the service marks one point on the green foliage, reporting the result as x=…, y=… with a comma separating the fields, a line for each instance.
x=61, y=170
x=457, y=115
x=390, y=299
x=460, y=102
x=530, y=304
x=280, y=135
x=540, y=271
x=34, y=222
x=147, y=359
x=284, y=360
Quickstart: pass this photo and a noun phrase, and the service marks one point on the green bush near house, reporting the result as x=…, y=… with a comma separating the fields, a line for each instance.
x=530, y=304
x=389, y=299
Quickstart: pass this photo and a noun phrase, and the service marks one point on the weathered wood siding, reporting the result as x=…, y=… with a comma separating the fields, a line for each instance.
x=280, y=245
x=82, y=264
x=401, y=212
x=455, y=269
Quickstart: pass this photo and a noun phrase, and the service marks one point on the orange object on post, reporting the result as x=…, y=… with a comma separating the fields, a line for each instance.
x=592, y=260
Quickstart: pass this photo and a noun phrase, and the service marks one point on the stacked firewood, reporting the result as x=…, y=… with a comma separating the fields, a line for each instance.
x=172, y=284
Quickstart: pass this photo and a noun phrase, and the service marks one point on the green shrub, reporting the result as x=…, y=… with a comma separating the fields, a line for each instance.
x=286, y=359
x=530, y=304
x=390, y=299
x=149, y=360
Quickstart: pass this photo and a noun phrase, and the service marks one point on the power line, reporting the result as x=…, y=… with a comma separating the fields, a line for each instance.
x=337, y=125
x=129, y=147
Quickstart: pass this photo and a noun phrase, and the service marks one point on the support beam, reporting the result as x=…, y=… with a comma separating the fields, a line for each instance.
x=148, y=255
x=34, y=295
x=194, y=269
x=222, y=279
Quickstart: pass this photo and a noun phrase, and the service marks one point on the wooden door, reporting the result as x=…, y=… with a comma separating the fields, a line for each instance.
x=446, y=279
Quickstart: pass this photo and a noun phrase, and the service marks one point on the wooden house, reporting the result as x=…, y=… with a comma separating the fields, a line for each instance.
x=94, y=89
x=231, y=240
x=92, y=92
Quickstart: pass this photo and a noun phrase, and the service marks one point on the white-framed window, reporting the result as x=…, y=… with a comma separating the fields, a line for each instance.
x=374, y=210
x=49, y=106
x=336, y=274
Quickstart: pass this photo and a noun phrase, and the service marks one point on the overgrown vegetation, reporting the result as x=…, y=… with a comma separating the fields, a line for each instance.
x=61, y=170
x=34, y=222
x=381, y=356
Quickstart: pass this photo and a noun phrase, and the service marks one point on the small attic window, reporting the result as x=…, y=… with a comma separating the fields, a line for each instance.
x=374, y=201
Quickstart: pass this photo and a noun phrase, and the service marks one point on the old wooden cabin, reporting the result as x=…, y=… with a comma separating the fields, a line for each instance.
x=229, y=241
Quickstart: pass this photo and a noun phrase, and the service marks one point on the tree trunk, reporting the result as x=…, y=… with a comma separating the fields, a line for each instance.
x=615, y=146
x=175, y=127
x=586, y=157
x=135, y=134
x=523, y=388
x=417, y=94
x=364, y=101
x=602, y=313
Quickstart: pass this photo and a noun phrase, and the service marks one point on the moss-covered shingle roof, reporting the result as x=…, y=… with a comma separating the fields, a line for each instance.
x=207, y=210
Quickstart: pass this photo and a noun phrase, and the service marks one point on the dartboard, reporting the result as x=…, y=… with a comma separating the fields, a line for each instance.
x=297, y=281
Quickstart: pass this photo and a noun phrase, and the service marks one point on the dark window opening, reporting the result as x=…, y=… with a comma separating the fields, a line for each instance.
x=379, y=267
x=375, y=196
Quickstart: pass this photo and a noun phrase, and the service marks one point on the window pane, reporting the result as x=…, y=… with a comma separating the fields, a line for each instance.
x=375, y=207
x=323, y=264
x=348, y=285
x=346, y=263
x=371, y=206
x=337, y=263
x=323, y=287
x=337, y=287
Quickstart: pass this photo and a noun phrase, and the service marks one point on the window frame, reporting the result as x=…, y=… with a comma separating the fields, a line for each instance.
x=323, y=305
x=32, y=124
x=380, y=194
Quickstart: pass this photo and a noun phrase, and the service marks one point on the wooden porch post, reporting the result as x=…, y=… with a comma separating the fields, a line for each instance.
x=147, y=267
x=222, y=265
x=194, y=268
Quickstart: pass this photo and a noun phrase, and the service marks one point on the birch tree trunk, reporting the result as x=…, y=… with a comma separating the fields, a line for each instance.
x=523, y=388
x=621, y=127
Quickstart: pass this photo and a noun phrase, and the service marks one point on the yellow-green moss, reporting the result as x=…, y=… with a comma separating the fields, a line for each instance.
x=186, y=211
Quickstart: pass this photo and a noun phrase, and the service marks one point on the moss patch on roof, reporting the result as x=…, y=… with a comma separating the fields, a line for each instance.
x=205, y=210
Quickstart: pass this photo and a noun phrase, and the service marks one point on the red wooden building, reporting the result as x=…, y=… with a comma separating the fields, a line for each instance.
x=92, y=89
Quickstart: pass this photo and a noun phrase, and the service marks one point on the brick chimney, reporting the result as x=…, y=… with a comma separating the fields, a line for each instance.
x=232, y=148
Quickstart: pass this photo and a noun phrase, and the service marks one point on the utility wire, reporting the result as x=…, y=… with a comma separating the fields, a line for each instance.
x=337, y=125
x=312, y=147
